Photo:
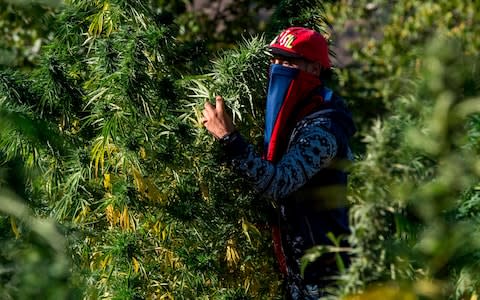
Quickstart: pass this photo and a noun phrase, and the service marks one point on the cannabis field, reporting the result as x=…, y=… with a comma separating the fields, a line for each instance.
x=110, y=188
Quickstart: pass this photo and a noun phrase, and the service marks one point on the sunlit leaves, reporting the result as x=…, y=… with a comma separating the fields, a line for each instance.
x=100, y=21
x=232, y=256
x=419, y=164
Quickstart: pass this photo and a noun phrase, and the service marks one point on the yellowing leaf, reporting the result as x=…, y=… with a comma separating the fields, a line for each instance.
x=75, y=126
x=138, y=180
x=429, y=288
x=106, y=6
x=83, y=213
x=106, y=181
x=204, y=190
x=125, y=220
x=248, y=227
x=153, y=193
x=168, y=257
x=13, y=223
x=94, y=260
x=136, y=265
x=105, y=262
x=101, y=147
x=387, y=292
x=231, y=256
x=157, y=227
x=167, y=296
x=143, y=153
x=112, y=215
x=147, y=188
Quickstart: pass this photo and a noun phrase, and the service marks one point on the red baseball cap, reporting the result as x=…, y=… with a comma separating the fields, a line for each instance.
x=301, y=42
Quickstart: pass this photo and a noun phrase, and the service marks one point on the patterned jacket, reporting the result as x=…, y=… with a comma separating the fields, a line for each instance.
x=308, y=183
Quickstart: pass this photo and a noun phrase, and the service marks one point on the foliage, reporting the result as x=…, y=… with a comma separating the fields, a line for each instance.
x=417, y=176
x=111, y=152
x=30, y=244
x=220, y=24
x=25, y=28
x=106, y=129
x=421, y=169
x=382, y=40
x=307, y=13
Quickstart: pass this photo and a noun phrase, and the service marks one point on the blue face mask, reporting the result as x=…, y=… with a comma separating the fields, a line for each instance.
x=288, y=89
x=280, y=80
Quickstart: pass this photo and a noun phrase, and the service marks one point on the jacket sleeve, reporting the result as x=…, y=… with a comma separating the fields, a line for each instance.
x=311, y=149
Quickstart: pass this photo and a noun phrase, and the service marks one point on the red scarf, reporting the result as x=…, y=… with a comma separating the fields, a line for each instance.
x=292, y=95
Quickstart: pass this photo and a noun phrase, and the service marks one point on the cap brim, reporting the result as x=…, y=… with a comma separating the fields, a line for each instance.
x=281, y=52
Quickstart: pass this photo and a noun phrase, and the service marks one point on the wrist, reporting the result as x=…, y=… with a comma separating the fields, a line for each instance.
x=228, y=138
x=233, y=144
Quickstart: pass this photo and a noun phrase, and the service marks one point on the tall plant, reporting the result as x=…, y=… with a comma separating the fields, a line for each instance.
x=115, y=152
x=422, y=168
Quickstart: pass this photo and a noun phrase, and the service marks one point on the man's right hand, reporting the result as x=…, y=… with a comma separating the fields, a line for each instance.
x=216, y=120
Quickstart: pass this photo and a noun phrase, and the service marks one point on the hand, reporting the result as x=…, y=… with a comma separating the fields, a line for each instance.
x=216, y=120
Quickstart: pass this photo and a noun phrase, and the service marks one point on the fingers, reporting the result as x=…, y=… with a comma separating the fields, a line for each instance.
x=209, y=106
x=220, y=103
x=204, y=119
x=211, y=110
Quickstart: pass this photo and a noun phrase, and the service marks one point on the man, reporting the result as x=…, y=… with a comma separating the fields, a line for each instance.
x=307, y=128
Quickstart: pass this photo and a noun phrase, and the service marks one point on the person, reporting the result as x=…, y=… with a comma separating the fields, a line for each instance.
x=306, y=142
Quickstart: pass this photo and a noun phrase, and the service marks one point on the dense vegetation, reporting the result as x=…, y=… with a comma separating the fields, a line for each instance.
x=110, y=187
